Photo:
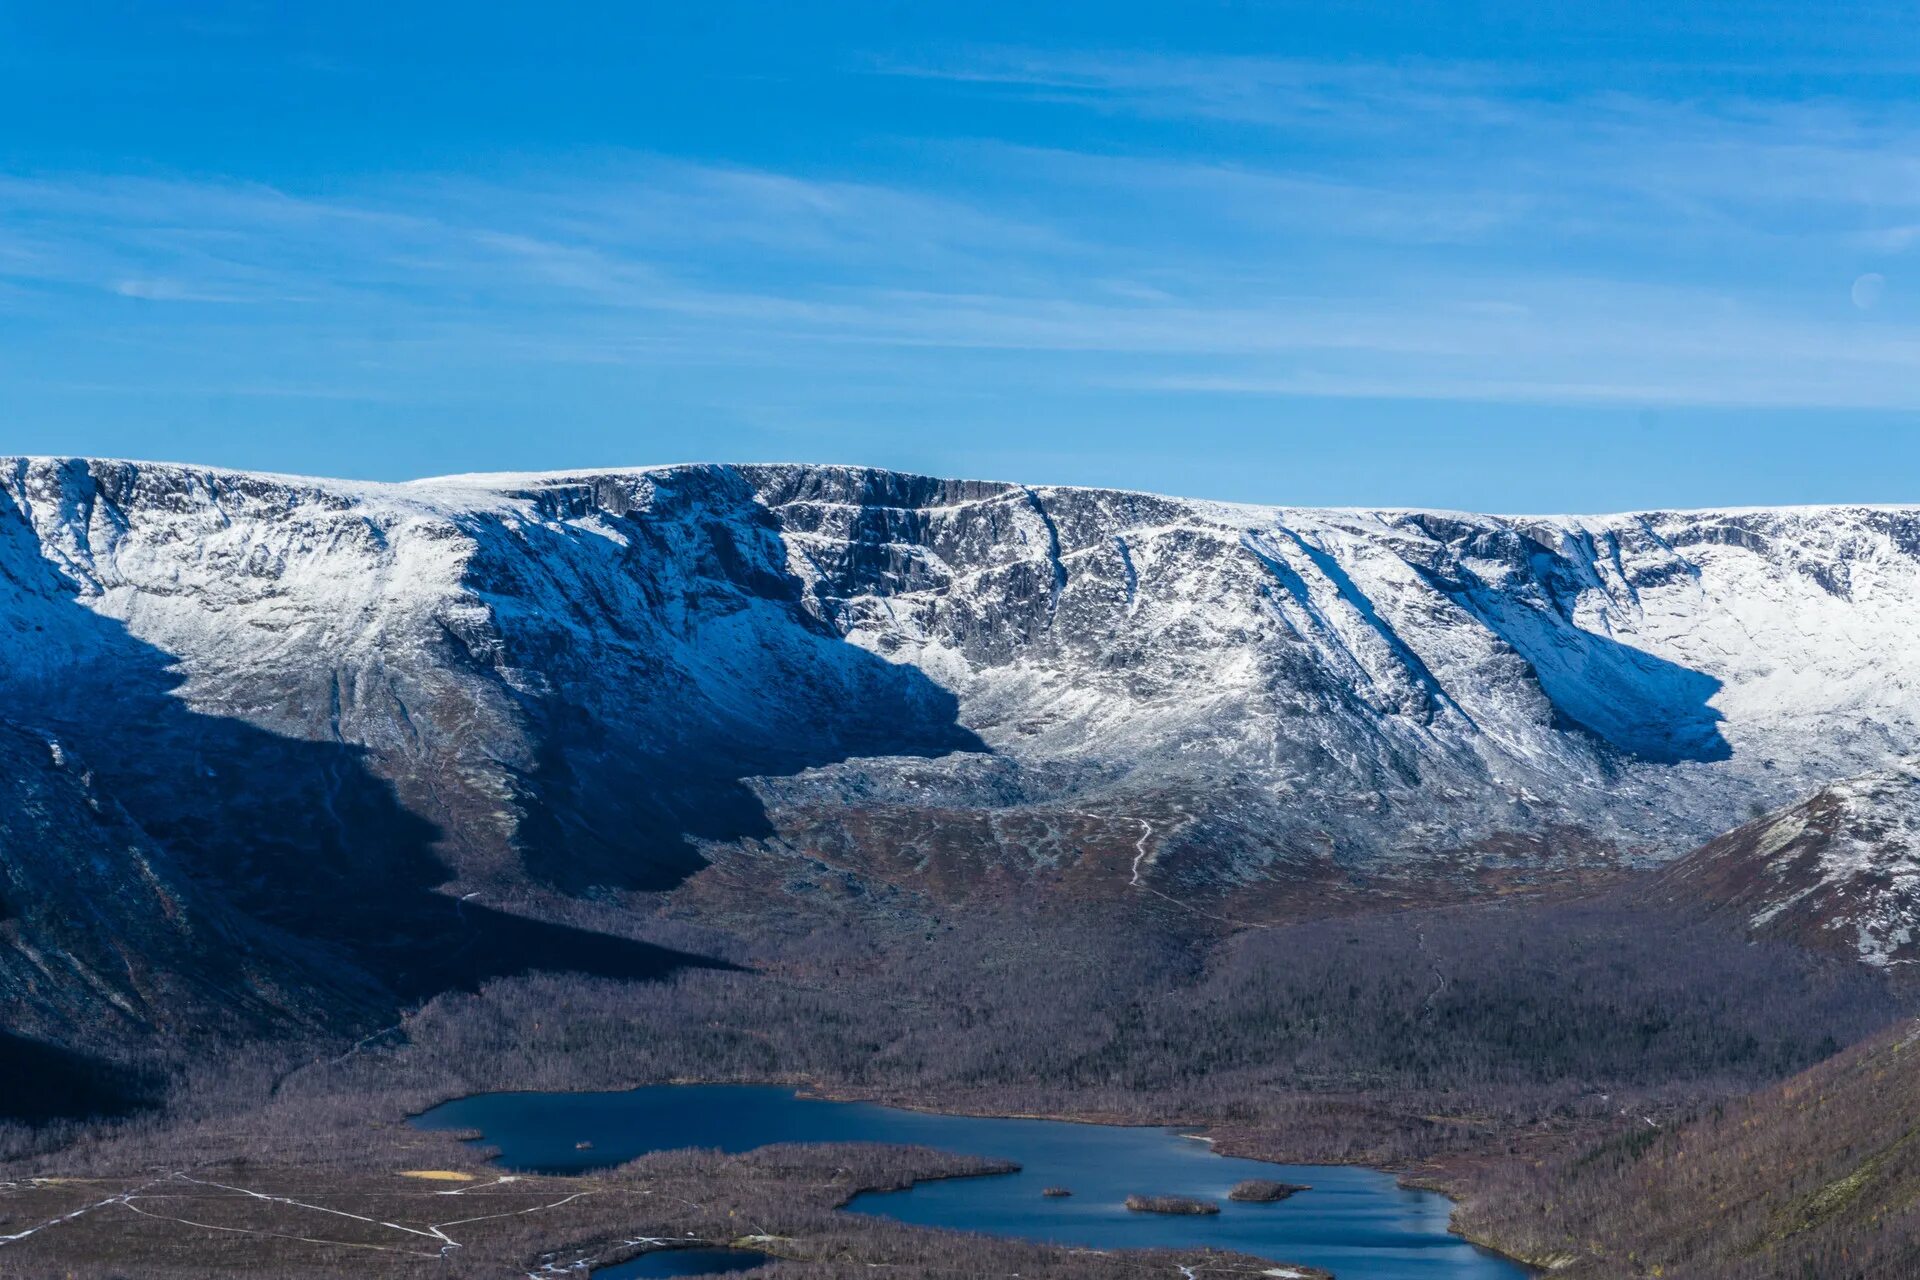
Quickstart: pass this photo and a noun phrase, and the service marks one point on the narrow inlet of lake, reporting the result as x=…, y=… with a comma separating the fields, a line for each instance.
x=1357, y=1223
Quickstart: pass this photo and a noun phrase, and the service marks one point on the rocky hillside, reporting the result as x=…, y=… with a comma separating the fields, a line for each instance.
x=96, y=917
x=483, y=682
x=112, y=954
x=1839, y=871
x=1817, y=1176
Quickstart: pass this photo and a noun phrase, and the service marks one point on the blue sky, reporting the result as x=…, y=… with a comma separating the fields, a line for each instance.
x=1519, y=256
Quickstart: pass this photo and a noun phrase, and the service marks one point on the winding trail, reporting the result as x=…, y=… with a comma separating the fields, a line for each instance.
x=432, y=1242
x=1146, y=834
x=83, y=1210
x=353, y=1050
x=1143, y=855
x=432, y=1235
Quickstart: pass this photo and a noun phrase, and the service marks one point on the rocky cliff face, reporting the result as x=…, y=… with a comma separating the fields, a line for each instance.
x=1381, y=685
x=587, y=679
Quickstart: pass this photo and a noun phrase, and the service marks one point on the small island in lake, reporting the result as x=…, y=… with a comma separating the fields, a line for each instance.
x=1170, y=1204
x=1262, y=1191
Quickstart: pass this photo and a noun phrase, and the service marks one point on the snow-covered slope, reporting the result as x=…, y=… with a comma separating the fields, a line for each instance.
x=1381, y=683
x=1838, y=871
x=584, y=678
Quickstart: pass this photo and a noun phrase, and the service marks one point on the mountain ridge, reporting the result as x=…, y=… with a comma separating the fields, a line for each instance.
x=1274, y=691
x=507, y=481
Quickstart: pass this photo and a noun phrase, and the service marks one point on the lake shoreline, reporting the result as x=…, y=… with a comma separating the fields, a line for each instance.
x=1405, y=1175
x=605, y=1110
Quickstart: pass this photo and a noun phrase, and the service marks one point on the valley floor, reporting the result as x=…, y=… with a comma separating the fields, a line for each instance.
x=1484, y=1049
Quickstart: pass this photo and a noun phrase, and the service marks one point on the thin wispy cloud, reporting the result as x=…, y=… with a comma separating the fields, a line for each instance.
x=1511, y=136
x=534, y=271
x=1491, y=236
x=1275, y=92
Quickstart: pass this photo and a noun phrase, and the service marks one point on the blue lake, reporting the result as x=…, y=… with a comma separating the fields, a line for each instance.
x=683, y=1262
x=1357, y=1223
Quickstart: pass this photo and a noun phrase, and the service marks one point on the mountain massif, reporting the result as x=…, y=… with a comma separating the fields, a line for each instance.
x=580, y=679
x=1357, y=835
x=368, y=716
x=571, y=680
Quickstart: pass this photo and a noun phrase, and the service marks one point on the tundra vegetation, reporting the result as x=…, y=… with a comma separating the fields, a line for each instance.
x=1563, y=1030
x=1265, y=1191
x=1181, y=1205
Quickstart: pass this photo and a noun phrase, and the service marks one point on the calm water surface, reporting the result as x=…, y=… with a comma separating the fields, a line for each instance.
x=1355, y=1222
x=684, y=1262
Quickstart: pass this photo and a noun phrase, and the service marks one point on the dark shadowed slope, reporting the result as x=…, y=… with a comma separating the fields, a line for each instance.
x=649, y=645
x=103, y=935
x=169, y=874
x=48, y=1082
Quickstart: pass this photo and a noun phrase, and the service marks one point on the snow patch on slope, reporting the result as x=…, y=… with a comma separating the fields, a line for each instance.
x=1839, y=870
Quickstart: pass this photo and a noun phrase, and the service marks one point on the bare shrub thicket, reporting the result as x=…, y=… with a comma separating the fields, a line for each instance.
x=1475, y=1032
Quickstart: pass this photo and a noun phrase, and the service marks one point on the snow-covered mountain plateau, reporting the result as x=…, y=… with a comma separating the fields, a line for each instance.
x=593, y=679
